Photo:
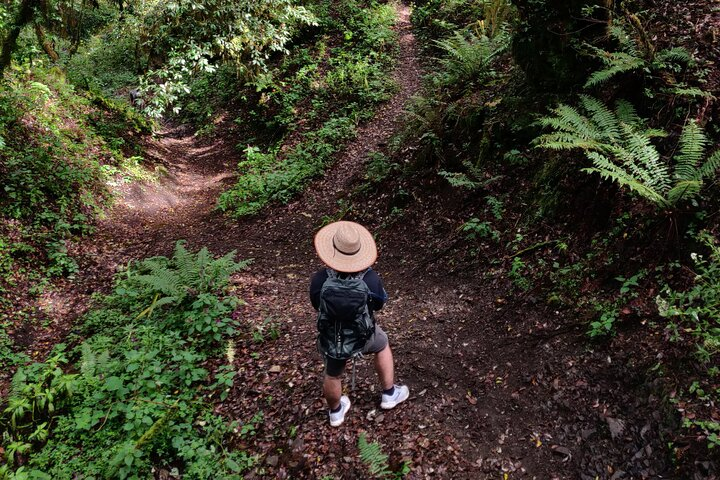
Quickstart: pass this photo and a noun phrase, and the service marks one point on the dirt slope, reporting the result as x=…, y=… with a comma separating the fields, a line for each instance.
x=495, y=387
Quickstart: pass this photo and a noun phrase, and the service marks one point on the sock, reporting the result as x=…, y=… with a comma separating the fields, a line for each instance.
x=336, y=410
x=389, y=391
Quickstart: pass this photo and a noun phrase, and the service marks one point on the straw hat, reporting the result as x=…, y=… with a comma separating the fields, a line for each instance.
x=346, y=246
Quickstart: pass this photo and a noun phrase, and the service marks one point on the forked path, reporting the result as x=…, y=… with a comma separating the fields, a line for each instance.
x=484, y=401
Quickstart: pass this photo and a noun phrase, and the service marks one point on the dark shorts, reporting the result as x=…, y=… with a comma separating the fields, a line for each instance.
x=376, y=344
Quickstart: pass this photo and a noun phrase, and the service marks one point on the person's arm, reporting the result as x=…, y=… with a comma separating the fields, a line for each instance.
x=316, y=283
x=378, y=295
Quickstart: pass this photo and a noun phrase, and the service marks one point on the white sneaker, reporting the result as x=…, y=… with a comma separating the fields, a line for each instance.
x=400, y=394
x=336, y=419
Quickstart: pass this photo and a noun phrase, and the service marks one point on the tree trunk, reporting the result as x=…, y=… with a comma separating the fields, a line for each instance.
x=78, y=31
x=45, y=43
x=24, y=16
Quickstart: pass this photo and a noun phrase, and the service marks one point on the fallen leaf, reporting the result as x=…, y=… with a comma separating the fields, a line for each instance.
x=617, y=426
x=562, y=451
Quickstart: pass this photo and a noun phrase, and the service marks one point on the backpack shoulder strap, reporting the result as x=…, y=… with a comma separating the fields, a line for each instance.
x=361, y=275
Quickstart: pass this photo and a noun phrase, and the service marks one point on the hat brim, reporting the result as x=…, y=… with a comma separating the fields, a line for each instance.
x=339, y=261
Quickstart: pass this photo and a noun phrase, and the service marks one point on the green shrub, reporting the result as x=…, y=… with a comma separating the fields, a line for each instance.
x=322, y=93
x=693, y=318
x=467, y=59
x=379, y=167
x=105, y=63
x=609, y=311
x=267, y=179
x=57, y=153
x=138, y=394
x=443, y=124
x=695, y=312
x=437, y=19
x=475, y=229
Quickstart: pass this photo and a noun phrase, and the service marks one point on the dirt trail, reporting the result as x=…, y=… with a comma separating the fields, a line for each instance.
x=485, y=400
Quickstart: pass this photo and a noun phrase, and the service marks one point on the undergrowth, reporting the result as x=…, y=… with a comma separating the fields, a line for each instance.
x=598, y=247
x=377, y=462
x=313, y=100
x=59, y=150
x=137, y=394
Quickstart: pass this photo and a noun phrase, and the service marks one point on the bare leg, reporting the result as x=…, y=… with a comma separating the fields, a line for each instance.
x=332, y=388
x=384, y=368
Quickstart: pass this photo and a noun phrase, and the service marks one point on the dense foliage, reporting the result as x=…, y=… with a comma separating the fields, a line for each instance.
x=137, y=393
x=507, y=123
x=316, y=97
x=620, y=147
x=582, y=141
x=59, y=150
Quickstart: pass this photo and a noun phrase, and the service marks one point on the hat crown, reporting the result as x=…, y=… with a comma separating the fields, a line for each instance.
x=347, y=240
x=345, y=246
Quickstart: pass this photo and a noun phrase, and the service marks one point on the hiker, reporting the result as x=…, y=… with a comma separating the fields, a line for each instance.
x=348, y=293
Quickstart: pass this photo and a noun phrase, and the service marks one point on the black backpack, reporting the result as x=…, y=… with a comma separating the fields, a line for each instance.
x=344, y=321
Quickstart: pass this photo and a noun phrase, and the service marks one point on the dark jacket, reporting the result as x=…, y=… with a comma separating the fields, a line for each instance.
x=378, y=295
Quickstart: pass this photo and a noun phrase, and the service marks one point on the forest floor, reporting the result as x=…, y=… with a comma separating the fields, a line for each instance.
x=500, y=383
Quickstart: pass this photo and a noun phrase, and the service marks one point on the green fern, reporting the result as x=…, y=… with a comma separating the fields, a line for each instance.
x=615, y=63
x=91, y=363
x=372, y=455
x=468, y=57
x=682, y=90
x=619, y=144
x=676, y=54
x=631, y=58
x=472, y=180
x=691, y=150
x=185, y=275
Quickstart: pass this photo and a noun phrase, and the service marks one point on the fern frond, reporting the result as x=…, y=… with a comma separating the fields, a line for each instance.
x=371, y=454
x=88, y=361
x=684, y=189
x=654, y=133
x=616, y=63
x=468, y=56
x=619, y=144
x=691, y=150
x=184, y=262
x=202, y=260
x=626, y=42
x=570, y=120
x=459, y=180
x=474, y=170
x=689, y=92
x=676, y=54
x=646, y=162
x=603, y=117
x=710, y=167
x=610, y=171
x=565, y=141
x=626, y=113
x=219, y=270
x=558, y=124
x=162, y=280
